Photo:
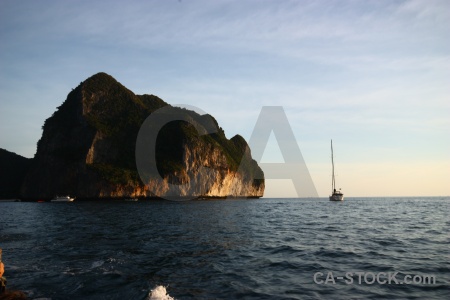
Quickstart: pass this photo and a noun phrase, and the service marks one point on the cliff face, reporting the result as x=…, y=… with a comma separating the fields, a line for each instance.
x=13, y=169
x=88, y=145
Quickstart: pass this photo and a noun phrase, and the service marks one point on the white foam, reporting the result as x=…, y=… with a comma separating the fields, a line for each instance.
x=97, y=264
x=159, y=293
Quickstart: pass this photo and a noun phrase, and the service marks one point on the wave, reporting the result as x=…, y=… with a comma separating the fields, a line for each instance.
x=159, y=293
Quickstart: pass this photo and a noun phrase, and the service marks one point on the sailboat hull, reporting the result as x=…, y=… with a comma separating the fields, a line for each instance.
x=337, y=197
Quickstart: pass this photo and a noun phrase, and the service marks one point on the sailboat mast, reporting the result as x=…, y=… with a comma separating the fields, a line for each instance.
x=332, y=164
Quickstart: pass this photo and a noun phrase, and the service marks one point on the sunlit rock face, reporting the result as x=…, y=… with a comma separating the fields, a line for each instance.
x=87, y=150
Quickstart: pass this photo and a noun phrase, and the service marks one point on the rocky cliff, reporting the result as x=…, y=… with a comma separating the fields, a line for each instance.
x=88, y=146
x=13, y=169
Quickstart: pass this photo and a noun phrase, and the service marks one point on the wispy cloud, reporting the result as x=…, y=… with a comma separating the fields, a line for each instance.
x=352, y=69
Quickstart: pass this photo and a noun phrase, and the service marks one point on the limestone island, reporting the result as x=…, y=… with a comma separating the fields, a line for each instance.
x=88, y=151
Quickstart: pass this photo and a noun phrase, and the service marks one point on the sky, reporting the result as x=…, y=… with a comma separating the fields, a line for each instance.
x=374, y=76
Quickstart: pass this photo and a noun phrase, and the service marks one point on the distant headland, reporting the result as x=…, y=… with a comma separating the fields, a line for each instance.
x=87, y=150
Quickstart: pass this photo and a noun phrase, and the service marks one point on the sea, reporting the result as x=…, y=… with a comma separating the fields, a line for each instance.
x=361, y=248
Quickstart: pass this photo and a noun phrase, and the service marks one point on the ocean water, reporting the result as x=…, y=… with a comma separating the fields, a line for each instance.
x=229, y=249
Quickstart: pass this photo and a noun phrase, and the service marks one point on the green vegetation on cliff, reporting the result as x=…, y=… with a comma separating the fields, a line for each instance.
x=96, y=128
x=102, y=104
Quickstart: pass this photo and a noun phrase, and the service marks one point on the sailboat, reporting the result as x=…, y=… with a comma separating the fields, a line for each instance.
x=336, y=195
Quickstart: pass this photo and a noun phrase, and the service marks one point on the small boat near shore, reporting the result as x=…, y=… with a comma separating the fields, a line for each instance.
x=131, y=199
x=62, y=199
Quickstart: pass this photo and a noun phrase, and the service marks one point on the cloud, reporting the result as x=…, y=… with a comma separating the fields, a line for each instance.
x=437, y=10
x=356, y=70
